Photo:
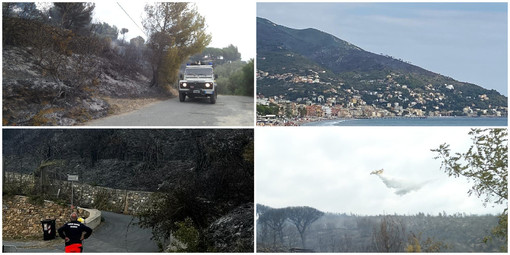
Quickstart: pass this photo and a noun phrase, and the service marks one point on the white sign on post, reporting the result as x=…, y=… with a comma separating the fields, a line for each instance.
x=72, y=177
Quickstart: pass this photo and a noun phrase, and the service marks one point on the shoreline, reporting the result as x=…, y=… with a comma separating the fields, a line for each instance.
x=313, y=120
x=409, y=118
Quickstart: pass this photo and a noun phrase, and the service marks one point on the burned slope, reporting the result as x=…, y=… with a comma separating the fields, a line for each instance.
x=52, y=76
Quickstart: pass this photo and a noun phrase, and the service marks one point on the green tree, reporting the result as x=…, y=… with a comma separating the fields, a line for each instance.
x=212, y=53
x=231, y=53
x=486, y=164
x=246, y=83
x=236, y=78
x=267, y=110
x=225, y=73
x=176, y=31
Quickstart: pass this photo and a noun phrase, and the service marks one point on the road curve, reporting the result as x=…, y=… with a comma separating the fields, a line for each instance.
x=228, y=111
x=118, y=233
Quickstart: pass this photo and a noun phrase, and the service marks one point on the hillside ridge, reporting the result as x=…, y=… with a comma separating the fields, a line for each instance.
x=307, y=67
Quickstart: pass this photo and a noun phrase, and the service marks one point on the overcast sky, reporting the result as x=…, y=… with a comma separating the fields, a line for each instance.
x=466, y=41
x=329, y=169
x=229, y=22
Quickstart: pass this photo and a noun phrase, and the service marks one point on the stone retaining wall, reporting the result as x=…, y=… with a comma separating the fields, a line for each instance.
x=115, y=200
x=85, y=195
x=24, y=182
x=22, y=219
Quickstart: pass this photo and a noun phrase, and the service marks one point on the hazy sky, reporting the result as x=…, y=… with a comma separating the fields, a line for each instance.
x=229, y=22
x=466, y=41
x=329, y=168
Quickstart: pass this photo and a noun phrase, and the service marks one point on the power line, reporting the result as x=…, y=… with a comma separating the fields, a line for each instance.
x=132, y=20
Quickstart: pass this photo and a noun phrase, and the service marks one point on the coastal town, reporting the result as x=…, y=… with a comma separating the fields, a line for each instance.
x=308, y=97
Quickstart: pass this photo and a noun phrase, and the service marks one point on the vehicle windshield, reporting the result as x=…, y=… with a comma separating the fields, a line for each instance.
x=198, y=72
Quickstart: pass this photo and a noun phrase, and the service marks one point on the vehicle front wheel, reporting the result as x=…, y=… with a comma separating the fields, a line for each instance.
x=182, y=96
x=213, y=97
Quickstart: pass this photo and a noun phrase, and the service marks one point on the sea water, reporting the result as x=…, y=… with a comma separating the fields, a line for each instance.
x=430, y=121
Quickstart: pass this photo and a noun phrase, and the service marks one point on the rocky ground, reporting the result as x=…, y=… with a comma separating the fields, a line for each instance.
x=33, y=97
x=234, y=232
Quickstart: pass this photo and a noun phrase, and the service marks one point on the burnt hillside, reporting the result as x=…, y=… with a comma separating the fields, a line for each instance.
x=136, y=159
x=55, y=76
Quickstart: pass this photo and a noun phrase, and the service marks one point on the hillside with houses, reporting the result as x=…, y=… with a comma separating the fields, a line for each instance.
x=299, y=79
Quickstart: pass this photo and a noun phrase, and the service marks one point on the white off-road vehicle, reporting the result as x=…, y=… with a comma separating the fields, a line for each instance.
x=198, y=81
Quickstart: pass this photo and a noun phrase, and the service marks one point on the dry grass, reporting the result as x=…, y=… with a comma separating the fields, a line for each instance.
x=124, y=105
x=172, y=90
x=41, y=118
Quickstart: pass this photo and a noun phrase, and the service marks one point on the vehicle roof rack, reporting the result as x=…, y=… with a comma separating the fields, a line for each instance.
x=198, y=63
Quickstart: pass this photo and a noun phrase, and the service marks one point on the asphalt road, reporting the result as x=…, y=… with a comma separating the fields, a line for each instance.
x=228, y=111
x=118, y=233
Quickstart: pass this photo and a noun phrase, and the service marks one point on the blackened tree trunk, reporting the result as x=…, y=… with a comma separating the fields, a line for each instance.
x=302, y=217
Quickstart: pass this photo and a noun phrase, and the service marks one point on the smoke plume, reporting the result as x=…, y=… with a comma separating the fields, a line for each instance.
x=401, y=186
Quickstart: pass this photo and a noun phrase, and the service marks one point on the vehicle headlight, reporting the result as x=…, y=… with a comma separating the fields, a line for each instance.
x=208, y=85
x=184, y=84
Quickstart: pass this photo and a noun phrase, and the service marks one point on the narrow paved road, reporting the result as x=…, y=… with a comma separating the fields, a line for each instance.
x=228, y=111
x=118, y=233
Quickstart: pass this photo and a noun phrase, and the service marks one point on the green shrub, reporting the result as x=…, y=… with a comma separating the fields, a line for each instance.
x=188, y=235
